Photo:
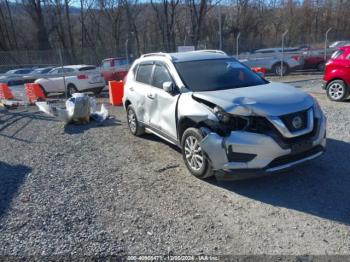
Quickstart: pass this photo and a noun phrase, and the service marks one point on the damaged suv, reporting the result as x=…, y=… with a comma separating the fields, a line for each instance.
x=227, y=119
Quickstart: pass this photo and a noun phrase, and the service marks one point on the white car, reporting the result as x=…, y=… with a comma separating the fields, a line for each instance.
x=76, y=78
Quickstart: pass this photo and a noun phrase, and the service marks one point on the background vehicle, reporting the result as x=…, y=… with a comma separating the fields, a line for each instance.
x=16, y=77
x=337, y=44
x=271, y=60
x=224, y=117
x=314, y=59
x=78, y=78
x=114, y=68
x=337, y=75
x=20, y=71
x=41, y=71
x=12, y=80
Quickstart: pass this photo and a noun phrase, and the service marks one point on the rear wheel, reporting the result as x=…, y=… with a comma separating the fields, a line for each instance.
x=98, y=91
x=320, y=67
x=277, y=68
x=337, y=90
x=134, y=126
x=71, y=89
x=193, y=155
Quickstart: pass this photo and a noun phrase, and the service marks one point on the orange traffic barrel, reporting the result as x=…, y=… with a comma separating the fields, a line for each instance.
x=116, y=92
x=34, y=92
x=5, y=92
x=260, y=70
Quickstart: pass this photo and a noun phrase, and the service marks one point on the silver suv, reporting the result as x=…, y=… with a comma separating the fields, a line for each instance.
x=227, y=120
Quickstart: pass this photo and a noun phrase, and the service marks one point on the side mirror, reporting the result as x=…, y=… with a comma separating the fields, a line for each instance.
x=168, y=87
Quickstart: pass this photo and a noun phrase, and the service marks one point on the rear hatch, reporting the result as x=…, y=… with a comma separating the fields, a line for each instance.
x=91, y=73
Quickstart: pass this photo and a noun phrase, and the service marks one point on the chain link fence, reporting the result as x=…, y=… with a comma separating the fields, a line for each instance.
x=29, y=59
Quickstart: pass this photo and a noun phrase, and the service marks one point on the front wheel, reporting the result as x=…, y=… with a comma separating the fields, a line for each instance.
x=193, y=155
x=337, y=90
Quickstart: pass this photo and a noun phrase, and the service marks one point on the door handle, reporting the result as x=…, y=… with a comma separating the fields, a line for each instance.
x=131, y=88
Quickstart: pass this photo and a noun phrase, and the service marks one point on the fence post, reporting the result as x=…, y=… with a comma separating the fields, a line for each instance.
x=282, y=60
x=64, y=78
x=325, y=44
x=237, y=44
x=220, y=29
x=126, y=49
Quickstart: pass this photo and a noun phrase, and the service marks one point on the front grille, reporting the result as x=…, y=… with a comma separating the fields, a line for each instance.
x=286, y=142
x=259, y=125
x=295, y=121
x=294, y=157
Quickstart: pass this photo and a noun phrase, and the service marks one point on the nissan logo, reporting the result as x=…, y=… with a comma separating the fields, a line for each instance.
x=297, y=122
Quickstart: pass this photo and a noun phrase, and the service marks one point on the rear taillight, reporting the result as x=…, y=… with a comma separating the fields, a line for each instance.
x=296, y=57
x=81, y=77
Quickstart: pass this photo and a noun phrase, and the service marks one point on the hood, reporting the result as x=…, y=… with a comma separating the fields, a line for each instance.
x=273, y=99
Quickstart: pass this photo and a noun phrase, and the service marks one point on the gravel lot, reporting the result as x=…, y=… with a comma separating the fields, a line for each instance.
x=97, y=190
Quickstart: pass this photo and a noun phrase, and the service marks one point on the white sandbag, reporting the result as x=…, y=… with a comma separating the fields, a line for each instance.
x=79, y=108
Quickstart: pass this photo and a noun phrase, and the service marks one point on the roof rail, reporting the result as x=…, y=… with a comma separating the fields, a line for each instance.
x=212, y=51
x=157, y=54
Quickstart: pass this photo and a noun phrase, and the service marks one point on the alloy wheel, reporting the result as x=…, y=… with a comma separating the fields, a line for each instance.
x=193, y=153
x=280, y=68
x=336, y=91
x=132, y=120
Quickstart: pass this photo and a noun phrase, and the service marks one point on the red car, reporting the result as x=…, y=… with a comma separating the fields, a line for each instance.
x=314, y=59
x=114, y=68
x=337, y=75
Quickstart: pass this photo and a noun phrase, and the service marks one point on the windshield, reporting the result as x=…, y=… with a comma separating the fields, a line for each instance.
x=218, y=74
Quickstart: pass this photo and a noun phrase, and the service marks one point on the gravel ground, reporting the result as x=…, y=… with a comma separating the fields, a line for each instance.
x=97, y=190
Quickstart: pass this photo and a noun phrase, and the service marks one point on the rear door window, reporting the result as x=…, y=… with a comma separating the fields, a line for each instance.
x=160, y=76
x=87, y=68
x=106, y=64
x=336, y=54
x=24, y=71
x=120, y=62
x=144, y=73
x=54, y=71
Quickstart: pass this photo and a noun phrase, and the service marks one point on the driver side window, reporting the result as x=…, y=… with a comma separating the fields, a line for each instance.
x=160, y=76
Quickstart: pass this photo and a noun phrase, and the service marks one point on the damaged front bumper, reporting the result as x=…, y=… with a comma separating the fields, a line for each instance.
x=244, y=154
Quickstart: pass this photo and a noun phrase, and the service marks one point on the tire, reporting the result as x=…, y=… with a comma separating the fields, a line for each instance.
x=194, y=158
x=71, y=89
x=277, y=69
x=134, y=126
x=337, y=90
x=98, y=91
x=320, y=67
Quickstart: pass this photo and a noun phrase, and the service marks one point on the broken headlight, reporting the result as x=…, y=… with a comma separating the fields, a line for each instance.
x=222, y=115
